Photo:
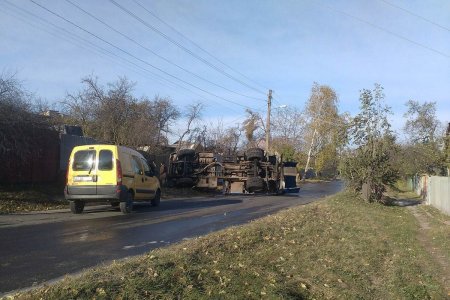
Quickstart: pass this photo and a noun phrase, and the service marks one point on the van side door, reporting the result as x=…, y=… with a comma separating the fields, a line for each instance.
x=151, y=181
x=139, y=178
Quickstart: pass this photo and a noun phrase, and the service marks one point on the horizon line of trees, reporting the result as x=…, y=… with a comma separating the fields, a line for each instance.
x=363, y=148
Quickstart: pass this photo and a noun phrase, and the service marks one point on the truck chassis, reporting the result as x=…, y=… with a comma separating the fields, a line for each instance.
x=251, y=172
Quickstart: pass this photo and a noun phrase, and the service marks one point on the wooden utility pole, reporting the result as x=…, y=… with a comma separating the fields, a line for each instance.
x=269, y=105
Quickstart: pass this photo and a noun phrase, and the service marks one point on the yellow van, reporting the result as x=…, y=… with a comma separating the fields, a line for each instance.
x=116, y=174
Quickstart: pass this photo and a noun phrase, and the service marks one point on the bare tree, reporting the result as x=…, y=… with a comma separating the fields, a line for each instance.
x=23, y=132
x=113, y=114
x=193, y=114
x=164, y=113
x=220, y=139
x=82, y=106
x=288, y=131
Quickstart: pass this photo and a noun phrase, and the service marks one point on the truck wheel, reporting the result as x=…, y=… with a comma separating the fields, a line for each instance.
x=185, y=153
x=255, y=184
x=254, y=153
x=76, y=206
x=127, y=206
x=155, y=201
x=272, y=187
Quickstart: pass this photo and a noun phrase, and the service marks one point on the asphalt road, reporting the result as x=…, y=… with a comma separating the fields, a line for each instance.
x=38, y=247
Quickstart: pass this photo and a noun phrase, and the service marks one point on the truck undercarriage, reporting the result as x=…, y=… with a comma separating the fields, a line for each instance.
x=250, y=172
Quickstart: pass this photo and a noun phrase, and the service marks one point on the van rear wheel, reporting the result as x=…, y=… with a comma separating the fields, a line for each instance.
x=76, y=206
x=127, y=206
x=155, y=201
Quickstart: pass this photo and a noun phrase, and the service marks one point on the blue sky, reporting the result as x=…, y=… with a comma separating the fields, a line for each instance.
x=282, y=45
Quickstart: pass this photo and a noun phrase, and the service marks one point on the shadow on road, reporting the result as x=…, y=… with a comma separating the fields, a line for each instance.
x=144, y=207
x=184, y=204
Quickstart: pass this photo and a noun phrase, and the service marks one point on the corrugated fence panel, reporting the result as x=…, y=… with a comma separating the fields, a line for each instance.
x=435, y=190
x=439, y=193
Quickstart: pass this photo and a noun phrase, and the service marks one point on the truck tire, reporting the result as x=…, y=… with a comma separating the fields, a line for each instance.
x=185, y=153
x=255, y=184
x=127, y=206
x=76, y=206
x=254, y=153
x=155, y=201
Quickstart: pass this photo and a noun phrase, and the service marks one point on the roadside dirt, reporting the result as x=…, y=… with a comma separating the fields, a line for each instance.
x=424, y=237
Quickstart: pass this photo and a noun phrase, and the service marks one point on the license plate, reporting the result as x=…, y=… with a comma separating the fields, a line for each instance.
x=82, y=178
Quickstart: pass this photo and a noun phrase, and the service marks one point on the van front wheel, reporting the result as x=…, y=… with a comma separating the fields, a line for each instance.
x=127, y=206
x=76, y=206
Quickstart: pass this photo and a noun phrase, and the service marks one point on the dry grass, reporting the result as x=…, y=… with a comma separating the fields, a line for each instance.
x=22, y=198
x=439, y=230
x=341, y=248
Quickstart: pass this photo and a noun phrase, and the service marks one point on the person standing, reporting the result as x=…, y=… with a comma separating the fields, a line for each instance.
x=163, y=174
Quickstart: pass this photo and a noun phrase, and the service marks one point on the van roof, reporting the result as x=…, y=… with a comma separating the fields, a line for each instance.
x=109, y=146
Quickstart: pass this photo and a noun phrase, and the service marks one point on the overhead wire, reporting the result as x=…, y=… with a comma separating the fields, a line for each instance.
x=196, y=44
x=134, y=56
x=105, y=52
x=71, y=37
x=165, y=36
x=416, y=15
x=156, y=54
x=384, y=30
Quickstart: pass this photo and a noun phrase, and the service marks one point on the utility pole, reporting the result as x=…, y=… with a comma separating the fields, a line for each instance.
x=269, y=105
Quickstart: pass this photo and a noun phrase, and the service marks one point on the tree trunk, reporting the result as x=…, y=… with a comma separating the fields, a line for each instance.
x=309, y=153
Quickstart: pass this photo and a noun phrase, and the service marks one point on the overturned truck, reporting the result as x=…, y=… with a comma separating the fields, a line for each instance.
x=249, y=172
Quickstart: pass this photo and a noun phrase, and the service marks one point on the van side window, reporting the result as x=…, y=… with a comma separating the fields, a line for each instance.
x=137, y=168
x=146, y=167
x=105, y=160
x=84, y=160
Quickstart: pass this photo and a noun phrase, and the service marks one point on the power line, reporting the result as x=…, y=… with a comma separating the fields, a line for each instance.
x=416, y=15
x=156, y=54
x=100, y=50
x=182, y=47
x=197, y=45
x=133, y=56
x=385, y=30
x=72, y=37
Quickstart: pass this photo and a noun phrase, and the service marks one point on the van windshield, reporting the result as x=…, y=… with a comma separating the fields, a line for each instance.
x=84, y=160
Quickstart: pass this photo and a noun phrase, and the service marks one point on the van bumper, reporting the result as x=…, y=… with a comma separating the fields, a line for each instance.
x=110, y=193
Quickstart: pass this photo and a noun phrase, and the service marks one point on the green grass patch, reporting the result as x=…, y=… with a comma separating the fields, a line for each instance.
x=341, y=248
x=401, y=190
x=22, y=198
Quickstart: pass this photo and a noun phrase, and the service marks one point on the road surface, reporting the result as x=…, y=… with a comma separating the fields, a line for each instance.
x=38, y=247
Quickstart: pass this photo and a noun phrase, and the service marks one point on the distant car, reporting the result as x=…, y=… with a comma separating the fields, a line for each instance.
x=114, y=174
